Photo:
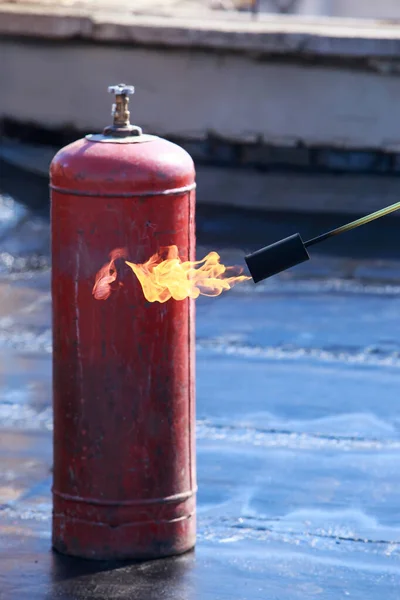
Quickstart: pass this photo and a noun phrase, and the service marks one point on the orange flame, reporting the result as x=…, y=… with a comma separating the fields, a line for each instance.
x=165, y=276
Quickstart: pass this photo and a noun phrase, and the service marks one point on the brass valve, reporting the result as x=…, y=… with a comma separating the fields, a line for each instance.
x=121, y=126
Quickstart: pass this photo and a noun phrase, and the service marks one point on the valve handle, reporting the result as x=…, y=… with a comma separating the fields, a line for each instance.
x=121, y=89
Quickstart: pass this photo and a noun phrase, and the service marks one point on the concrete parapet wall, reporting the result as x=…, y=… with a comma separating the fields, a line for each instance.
x=304, y=94
x=194, y=93
x=278, y=81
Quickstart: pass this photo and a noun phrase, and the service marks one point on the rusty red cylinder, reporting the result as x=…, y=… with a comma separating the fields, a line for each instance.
x=123, y=368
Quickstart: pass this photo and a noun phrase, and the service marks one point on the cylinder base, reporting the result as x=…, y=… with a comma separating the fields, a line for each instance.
x=131, y=541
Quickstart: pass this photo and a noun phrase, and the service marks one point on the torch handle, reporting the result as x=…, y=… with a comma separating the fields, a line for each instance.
x=349, y=226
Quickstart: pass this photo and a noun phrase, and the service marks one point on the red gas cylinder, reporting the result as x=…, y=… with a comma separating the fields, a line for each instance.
x=123, y=369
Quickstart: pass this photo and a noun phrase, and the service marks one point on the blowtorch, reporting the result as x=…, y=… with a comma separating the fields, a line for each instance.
x=292, y=251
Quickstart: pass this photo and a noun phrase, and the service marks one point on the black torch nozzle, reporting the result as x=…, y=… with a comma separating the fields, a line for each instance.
x=277, y=257
x=292, y=251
